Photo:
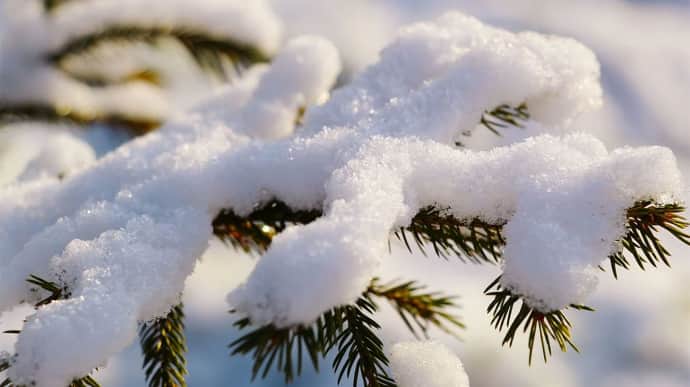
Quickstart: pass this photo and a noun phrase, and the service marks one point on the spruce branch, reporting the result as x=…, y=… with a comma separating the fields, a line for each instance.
x=501, y=117
x=255, y=231
x=475, y=240
x=56, y=292
x=359, y=348
x=13, y=113
x=644, y=220
x=551, y=325
x=163, y=346
x=269, y=344
x=418, y=308
x=208, y=50
x=350, y=330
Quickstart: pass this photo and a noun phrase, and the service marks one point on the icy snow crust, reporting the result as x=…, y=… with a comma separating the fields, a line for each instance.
x=125, y=233
x=427, y=364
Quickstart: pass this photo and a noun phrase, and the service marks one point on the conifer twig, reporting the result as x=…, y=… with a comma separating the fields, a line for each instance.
x=255, y=231
x=349, y=330
x=552, y=325
x=475, y=240
x=269, y=344
x=164, y=347
x=501, y=117
x=644, y=221
x=505, y=116
x=359, y=349
x=417, y=308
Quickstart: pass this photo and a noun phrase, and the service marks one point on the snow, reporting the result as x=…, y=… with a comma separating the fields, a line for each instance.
x=453, y=60
x=124, y=233
x=426, y=364
x=300, y=76
x=28, y=77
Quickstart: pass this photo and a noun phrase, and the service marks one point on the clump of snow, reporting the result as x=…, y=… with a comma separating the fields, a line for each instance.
x=432, y=80
x=124, y=233
x=426, y=364
x=299, y=76
x=37, y=151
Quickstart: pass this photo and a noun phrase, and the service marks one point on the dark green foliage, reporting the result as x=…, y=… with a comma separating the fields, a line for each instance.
x=501, y=117
x=359, y=350
x=86, y=381
x=505, y=116
x=164, y=347
x=552, y=325
x=208, y=50
x=475, y=240
x=418, y=308
x=56, y=292
x=269, y=344
x=350, y=330
x=644, y=221
x=255, y=231
x=12, y=113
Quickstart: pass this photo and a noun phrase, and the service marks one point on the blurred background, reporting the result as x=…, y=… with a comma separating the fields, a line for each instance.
x=640, y=334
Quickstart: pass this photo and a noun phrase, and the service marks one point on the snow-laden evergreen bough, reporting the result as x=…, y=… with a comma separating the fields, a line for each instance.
x=320, y=195
x=49, y=50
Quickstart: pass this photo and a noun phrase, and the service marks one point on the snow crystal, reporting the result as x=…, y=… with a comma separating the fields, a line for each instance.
x=426, y=364
x=124, y=233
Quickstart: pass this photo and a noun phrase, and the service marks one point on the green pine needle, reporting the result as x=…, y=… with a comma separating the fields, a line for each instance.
x=475, y=240
x=417, y=308
x=350, y=330
x=644, y=220
x=164, y=347
x=255, y=231
x=501, y=117
x=505, y=116
x=360, y=352
x=270, y=345
x=552, y=325
x=56, y=292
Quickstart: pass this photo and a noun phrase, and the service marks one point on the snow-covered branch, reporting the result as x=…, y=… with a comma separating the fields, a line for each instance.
x=123, y=234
